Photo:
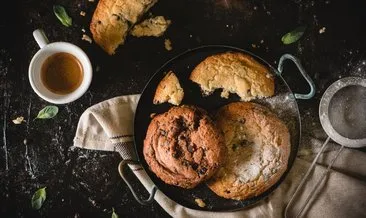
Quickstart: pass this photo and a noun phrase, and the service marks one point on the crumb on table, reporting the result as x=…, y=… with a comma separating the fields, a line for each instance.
x=87, y=38
x=322, y=30
x=168, y=44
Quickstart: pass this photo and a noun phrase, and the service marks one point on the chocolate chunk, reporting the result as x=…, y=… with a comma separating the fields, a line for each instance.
x=182, y=137
x=196, y=123
x=194, y=166
x=177, y=152
x=203, y=170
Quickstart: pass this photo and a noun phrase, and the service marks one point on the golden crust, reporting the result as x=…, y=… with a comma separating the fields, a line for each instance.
x=169, y=90
x=234, y=72
x=258, y=148
x=113, y=18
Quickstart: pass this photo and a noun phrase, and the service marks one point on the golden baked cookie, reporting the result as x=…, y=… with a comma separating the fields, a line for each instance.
x=113, y=18
x=234, y=72
x=258, y=148
x=183, y=147
x=169, y=90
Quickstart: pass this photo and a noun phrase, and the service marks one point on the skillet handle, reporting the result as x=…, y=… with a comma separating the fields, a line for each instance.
x=121, y=167
x=303, y=73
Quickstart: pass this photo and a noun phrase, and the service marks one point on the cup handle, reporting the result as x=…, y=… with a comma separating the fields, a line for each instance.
x=40, y=38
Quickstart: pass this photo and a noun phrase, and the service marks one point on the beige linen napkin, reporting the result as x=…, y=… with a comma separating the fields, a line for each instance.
x=109, y=126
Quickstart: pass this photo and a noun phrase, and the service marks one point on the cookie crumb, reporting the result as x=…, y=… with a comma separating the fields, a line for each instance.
x=83, y=30
x=168, y=44
x=152, y=115
x=90, y=0
x=254, y=45
x=82, y=13
x=200, y=202
x=322, y=30
x=18, y=120
x=87, y=38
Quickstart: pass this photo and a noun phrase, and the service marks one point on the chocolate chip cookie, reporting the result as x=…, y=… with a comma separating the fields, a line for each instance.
x=183, y=147
x=258, y=148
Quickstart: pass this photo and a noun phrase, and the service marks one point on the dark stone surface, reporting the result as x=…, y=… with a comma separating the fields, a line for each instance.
x=83, y=183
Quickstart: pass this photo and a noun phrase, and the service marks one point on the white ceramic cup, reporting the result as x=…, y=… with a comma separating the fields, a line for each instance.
x=48, y=49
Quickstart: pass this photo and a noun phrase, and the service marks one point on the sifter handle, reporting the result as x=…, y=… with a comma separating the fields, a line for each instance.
x=316, y=186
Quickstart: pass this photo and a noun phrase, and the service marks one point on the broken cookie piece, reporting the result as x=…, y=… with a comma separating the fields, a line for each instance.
x=169, y=90
x=112, y=20
x=155, y=26
x=234, y=72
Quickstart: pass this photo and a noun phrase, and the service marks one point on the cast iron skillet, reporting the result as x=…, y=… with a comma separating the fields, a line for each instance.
x=283, y=104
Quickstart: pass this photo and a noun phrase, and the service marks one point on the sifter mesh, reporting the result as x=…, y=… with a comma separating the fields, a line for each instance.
x=342, y=112
x=347, y=112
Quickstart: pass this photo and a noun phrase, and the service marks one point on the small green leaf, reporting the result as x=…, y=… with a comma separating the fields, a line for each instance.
x=294, y=35
x=47, y=112
x=114, y=215
x=62, y=15
x=38, y=198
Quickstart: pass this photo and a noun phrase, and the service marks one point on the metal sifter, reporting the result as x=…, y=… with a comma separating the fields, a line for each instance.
x=342, y=113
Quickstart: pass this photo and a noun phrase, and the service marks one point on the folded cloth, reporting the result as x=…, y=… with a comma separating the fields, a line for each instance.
x=109, y=126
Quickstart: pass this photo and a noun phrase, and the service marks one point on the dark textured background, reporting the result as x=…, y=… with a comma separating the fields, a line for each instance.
x=84, y=183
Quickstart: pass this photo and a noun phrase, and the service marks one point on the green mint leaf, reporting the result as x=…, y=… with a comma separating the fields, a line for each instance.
x=114, y=215
x=47, y=112
x=294, y=35
x=62, y=15
x=38, y=198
